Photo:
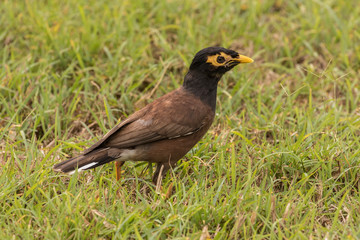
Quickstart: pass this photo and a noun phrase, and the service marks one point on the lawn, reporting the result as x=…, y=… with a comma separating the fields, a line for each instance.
x=281, y=160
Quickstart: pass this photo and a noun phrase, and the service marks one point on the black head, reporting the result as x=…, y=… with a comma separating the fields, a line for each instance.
x=217, y=60
x=206, y=70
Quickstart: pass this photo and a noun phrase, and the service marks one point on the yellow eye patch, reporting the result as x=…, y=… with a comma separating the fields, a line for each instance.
x=214, y=59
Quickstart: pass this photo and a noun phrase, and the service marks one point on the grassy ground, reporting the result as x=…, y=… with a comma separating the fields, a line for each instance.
x=280, y=161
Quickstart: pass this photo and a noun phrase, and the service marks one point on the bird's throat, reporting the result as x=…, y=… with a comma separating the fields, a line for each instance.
x=202, y=86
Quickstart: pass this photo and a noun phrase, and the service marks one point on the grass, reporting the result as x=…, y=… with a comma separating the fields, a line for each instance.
x=280, y=161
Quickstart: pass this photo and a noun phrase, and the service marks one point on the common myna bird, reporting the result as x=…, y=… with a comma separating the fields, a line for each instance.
x=166, y=129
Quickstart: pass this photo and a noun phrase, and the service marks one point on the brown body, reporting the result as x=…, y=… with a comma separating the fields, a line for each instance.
x=162, y=132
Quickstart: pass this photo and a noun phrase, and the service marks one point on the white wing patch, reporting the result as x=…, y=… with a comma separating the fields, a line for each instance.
x=189, y=133
x=177, y=136
x=146, y=123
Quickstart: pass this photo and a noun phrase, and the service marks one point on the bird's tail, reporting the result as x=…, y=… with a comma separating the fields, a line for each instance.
x=86, y=161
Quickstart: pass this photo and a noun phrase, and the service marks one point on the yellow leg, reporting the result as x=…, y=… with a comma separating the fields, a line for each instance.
x=118, y=169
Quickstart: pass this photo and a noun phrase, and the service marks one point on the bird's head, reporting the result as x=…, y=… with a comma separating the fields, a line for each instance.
x=217, y=60
x=207, y=68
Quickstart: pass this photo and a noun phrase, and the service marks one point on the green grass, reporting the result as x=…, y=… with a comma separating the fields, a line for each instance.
x=280, y=161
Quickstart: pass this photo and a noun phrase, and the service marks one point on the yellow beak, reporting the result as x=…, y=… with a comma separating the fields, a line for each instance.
x=243, y=59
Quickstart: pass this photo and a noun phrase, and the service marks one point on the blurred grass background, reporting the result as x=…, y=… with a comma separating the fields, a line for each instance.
x=280, y=161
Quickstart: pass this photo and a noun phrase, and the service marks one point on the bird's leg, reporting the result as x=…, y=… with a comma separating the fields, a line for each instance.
x=118, y=169
x=160, y=172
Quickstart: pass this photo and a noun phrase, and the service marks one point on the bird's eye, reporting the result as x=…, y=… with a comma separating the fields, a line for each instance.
x=220, y=59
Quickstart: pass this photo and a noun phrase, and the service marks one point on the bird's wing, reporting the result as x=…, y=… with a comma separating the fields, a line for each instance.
x=171, y=116
x=135, y=116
